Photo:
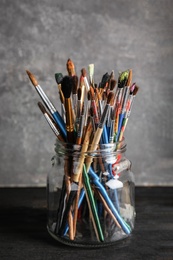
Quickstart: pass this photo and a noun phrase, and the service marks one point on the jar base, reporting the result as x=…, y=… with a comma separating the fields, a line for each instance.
x=118, y=243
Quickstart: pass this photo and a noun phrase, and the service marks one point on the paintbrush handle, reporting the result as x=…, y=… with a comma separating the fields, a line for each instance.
x=92, y=206
x=66, y=213
x=126, y=228
x=93, y=147
x=79, y=167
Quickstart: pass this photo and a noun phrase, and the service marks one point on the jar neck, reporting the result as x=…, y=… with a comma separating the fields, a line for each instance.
x=62, y=148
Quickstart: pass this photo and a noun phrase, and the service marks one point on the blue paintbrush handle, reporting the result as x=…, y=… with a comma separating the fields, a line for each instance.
x=103, y=192
x=121, y=117
x=60, y=123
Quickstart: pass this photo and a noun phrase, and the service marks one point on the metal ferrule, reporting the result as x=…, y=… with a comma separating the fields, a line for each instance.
x=86, y=113
x=109, y=117
x=63, y=112
x=79, y=110
x=125, y=100
x=51, y=124
x=119, y=95
x=69, y=117
x=45, y=99
x=86, y=84
x=74, y=98
x=111, y=135
x=81, y=125
x=129, y=112
x=100, y=107
x=104, y=116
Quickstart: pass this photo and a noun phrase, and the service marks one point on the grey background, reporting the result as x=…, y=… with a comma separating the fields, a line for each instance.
x=41, y=35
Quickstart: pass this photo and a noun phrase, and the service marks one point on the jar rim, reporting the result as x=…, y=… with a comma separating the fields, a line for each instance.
x=67, y=148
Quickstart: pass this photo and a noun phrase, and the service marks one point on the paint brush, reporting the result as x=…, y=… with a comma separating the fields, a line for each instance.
x=74, y=92
x=87, y=110
x=106, y=207
x=61, y=97
x=58, y=78
x=75, y=178
x=134, y=92
x=55, y=114
x=79, y=107
x=99, y=98
x=99, y=131
x=123, y=102
x=109, y=116
x=128, y=112
x=66, y=86
x=104, y=82
x=81, y=127
x=95, y=179
x=122, y=80
x=50, y=121
x=94, y=106
x=92, y=206
x=84, y=75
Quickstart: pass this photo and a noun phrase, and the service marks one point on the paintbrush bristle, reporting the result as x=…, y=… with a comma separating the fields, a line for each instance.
x=79, y=93
x=70, y=67
x=91, y=72
x=83, y=72
x=32, y=78
x=122, y=80
x=112, y=75
x=66, y=86
x=104, y=80
x=132, y=88
x=110, y=98
x=135, y=90
x=75, y=84
x=112, y=84
x=58, y=78
x=129, y=80
x=42, y=108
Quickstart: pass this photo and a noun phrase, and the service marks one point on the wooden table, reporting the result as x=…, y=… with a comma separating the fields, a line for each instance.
x=23, y=233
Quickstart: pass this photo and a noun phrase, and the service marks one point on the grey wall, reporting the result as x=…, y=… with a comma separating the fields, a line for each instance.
x=41, y=35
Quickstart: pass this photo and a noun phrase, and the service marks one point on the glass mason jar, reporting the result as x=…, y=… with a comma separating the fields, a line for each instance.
x=90, y=195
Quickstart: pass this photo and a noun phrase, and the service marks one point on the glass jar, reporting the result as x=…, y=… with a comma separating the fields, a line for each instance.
x=90, y=195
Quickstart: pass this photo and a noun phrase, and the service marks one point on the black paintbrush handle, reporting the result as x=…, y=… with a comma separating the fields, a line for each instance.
x=72, y=196
x=61, y=206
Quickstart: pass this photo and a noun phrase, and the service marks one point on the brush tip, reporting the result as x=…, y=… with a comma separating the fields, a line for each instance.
x=42, y=108
x=66, y=86
x=58, y=77
x=135, y=90
x=132, y=88
x=75, y=84
x=110, y=97
x=32, y=78
x=70, y=67
x=105, y=79
x=123, y=78
x=112, y=84
x=83, y=72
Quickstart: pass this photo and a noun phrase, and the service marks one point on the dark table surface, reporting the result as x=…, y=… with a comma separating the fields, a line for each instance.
x=23, y=233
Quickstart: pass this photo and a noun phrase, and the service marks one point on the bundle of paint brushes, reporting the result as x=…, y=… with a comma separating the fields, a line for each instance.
x=91, y=115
